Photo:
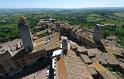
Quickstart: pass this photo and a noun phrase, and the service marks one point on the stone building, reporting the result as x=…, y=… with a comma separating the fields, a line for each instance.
x=98, y=32
x=6, y=62
x=25, y=34
x=75, y=33
x=65, y=45
x=13, y=60
x=14, y=56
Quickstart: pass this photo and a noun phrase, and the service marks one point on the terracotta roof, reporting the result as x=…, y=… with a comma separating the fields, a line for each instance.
x=103, y=71
x=62, y=72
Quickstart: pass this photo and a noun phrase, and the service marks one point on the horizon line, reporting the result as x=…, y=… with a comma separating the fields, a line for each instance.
x=59, y=8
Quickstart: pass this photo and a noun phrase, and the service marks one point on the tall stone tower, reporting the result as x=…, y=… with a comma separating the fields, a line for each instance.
x=25, y=34
x=65, y=45
x=98, y=33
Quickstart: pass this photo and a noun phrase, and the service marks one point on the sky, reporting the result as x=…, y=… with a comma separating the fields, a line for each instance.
x=60, y=3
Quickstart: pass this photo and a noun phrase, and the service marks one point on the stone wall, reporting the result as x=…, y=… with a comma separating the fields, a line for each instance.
x=7, y=63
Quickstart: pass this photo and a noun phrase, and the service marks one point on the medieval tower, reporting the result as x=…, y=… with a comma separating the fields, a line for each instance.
x=25, y=34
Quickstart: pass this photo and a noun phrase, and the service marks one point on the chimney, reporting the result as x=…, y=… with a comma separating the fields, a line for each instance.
x=25, y=34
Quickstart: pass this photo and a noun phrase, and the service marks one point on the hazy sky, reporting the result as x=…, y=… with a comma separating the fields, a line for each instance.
x=60, y=3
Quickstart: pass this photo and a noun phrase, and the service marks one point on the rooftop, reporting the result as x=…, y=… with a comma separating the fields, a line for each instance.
x=14, y=47
x=11, y=46
x=41, y=74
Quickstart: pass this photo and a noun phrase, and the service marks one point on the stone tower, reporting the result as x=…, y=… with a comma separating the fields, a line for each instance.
x=98, y=33
x=25, y=34
x=64, y=45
